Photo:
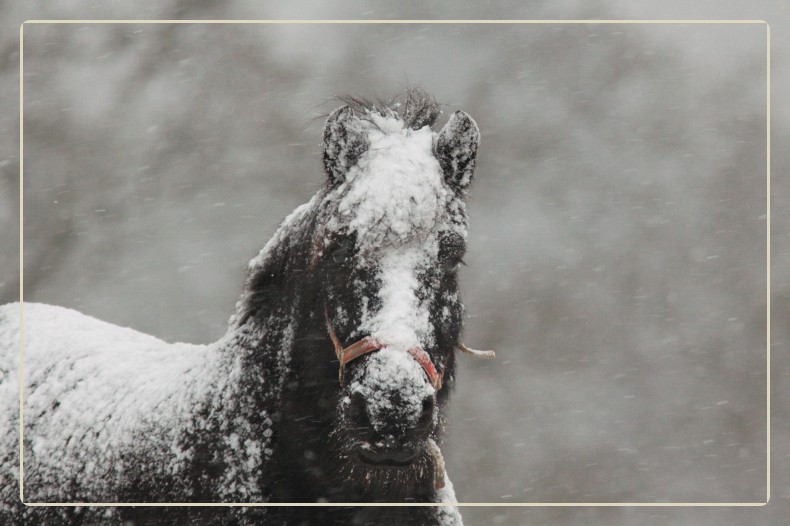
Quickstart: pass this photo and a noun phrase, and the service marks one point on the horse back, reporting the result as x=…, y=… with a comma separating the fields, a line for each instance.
x=92, y=391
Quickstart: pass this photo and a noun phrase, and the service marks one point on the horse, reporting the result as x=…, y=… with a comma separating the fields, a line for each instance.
x=329, y=386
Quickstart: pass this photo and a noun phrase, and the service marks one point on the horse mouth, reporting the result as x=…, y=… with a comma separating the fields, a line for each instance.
x=406, y=458
x=384, y=462
x=392, y=460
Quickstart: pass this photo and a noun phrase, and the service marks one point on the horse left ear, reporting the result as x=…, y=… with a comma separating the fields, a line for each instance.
x=344, y=143
x=456, y=150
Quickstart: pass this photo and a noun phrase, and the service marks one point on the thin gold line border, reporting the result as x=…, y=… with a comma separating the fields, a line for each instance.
x=406, y=504
x=394, y=21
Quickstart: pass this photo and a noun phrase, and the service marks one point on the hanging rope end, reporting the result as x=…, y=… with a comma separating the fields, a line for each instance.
x=485, y=355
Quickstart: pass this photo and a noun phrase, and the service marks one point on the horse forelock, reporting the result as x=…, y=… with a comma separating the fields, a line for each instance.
x=396, y=192
x=414, y=107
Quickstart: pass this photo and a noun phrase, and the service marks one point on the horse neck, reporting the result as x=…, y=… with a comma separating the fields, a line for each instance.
x=254, y=356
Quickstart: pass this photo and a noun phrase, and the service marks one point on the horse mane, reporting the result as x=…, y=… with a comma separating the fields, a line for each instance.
x=414, y=106
x=279, y=268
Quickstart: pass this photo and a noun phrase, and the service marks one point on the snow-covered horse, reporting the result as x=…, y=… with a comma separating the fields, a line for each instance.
x=329, y=385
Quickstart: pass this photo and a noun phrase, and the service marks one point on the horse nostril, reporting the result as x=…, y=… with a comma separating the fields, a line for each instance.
x=356, y=411
x=428, y=405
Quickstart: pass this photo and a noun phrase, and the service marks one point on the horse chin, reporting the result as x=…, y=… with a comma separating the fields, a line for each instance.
x=387, y=481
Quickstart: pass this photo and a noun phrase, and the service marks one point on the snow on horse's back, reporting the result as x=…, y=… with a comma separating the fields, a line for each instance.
x=330, y=385
x=104, y=380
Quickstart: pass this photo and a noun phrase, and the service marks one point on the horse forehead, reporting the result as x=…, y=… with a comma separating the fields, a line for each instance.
x=396, y=191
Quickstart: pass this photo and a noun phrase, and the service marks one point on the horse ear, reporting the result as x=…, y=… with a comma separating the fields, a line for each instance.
x=456, y=150
x=344, y=143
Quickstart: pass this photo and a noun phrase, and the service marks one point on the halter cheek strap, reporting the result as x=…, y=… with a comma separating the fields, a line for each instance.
x=422, y=358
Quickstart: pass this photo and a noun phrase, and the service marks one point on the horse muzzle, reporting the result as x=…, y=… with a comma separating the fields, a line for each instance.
x=370, y=344
x=388, y=454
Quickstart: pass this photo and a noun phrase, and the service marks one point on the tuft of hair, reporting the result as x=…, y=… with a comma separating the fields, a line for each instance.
x=414, y=106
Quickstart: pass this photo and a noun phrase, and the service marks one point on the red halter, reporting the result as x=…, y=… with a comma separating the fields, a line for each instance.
x=369, y=344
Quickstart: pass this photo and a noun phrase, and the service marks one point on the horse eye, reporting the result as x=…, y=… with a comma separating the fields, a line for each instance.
x=452, y=266
x=340, y=255
x=342, y=252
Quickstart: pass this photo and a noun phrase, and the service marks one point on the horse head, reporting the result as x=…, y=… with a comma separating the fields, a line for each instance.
x=388, y=242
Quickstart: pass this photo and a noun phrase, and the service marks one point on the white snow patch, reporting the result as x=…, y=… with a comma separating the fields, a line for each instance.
x=387, y=372
x=448, y=515
x=90, y=386
x=402, y=321
x=396, y=191
x=93, y=390
x=285, y=227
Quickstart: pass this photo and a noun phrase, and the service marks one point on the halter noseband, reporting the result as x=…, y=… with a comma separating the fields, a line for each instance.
x=369, y=344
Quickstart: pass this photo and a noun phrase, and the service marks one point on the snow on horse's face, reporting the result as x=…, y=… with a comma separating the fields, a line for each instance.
x=387, y=253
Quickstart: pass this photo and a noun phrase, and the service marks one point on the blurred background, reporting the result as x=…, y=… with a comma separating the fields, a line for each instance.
x=618, y=219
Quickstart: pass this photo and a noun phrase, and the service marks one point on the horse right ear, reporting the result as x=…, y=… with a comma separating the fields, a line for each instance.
x=345, y=141
x=456, y=150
